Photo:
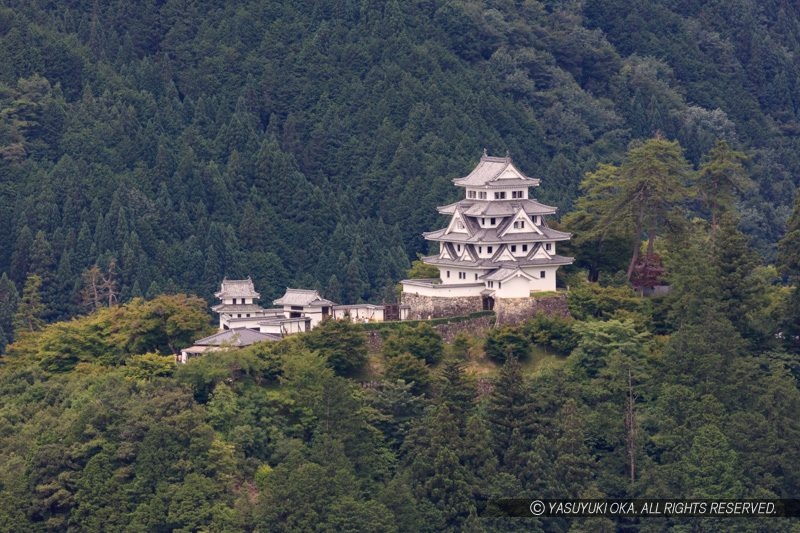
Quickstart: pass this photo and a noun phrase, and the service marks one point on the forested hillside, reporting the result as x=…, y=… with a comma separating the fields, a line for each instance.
x=632, y=398
x=307, y=143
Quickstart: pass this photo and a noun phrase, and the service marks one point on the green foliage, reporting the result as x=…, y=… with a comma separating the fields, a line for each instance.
x=789, y=245
x=588, y=301
x=711, y=466
x=721, y=179
x=150, y=366
x=421, y=341
x=790, y=322
x=341, y=343
x=399, y=406
x=507, y=343
x=8, y=307
x=553, y=331
x=248, y=168
x=421, y=270
x=410, y=370
x=598, y=341
x=237, y=174
x=109, y=336
x=641, y=198
x=164, y=324
x=28, y=317
x=460, y=347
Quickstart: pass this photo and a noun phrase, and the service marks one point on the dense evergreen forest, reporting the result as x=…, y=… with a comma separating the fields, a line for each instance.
x=149, y=149
x=308, y=143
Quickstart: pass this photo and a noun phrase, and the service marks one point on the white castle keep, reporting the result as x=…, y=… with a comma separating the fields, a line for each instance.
x=497, y=244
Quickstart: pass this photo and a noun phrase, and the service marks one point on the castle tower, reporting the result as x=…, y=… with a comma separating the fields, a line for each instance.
x=238, y=304
x=497, y=244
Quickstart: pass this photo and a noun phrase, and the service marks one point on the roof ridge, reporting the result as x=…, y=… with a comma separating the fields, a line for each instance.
x=301, y=290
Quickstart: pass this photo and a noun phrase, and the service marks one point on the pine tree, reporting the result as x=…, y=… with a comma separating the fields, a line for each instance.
x=789, y=245
x=20, y=257
x=510, y=409
x=9, y=298
x=456, y=391
x=740, y=291
x=720, y=179
x=639, y=199
x=711, y=466
x=28, y=317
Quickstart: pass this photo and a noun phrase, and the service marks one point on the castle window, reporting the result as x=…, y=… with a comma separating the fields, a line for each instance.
x=501, y=195
x=448, y=273
x=483, y=222
x=471, y=194
x=476, y=276
x=513, y=247
x=480, y=249
x=489, y=249
x=536, y=220
x=548, y=246
x=499, y=284
x=492, y=221
x=519, y=224
x=542, y=274
x=482, y=195
x=458, y=247
x=516, y=194
x=524, y=247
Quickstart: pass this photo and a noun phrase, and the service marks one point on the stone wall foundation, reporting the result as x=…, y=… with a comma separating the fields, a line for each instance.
x=516, y=310
x=425, y=307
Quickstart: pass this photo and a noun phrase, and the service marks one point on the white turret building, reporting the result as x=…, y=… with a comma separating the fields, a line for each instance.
x=497, y=244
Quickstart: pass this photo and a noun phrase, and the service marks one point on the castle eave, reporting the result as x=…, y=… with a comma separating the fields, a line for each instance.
x=486, y=264
x=497, y=208
x=490, y=236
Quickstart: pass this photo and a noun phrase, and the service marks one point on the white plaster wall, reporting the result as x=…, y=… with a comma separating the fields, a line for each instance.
x=442, y=290
x=287, y=327
x=546, y=284
x=453, y=279
x=359, y=314
x=516, y=287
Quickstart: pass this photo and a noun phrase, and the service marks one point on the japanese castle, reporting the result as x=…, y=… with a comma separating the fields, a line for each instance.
x=497, y=243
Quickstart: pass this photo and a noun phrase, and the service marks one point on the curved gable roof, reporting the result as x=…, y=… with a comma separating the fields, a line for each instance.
x=302, y=298
x=237, y=288
x=494, y=171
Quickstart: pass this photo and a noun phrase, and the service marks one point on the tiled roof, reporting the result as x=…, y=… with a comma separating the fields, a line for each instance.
x=497, y=208
x=237, y=288
x=235, y=337
x=556, y=260
x=302, y=298
x=495, y=171
x=238, y=308
x=502, y=274
x=491, y=236
x=272, y=320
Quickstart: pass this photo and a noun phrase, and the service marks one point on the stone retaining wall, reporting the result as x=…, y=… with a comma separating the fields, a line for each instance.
x=508, y=311
x=424, y=307
x=517, y=310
